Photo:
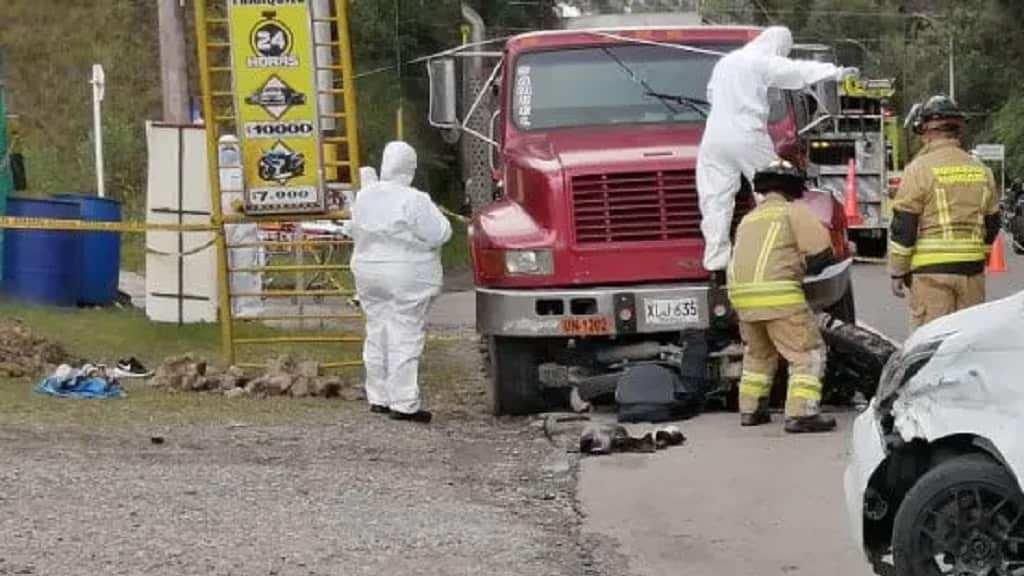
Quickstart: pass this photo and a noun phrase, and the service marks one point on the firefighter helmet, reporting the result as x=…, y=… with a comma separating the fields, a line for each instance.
x=780, y=176
x=935, y=108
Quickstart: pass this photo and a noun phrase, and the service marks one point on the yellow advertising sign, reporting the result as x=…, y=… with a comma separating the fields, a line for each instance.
x=276, y=98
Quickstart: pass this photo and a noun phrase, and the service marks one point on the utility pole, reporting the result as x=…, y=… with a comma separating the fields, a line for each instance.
x=173, y=68
x=952, y=70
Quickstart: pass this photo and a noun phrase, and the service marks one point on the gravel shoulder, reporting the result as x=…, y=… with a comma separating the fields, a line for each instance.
x=309, y=487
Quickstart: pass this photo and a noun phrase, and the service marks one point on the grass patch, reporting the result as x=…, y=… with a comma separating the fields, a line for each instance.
x=147, y=406
x=133, y=253
x=455, y=253
x=106, y=334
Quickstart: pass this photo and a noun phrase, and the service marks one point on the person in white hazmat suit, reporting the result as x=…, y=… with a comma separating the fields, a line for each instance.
x=736, y=141
x=398, y=233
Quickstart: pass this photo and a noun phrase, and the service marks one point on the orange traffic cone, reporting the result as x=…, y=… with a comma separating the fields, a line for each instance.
x=853, y=216
x=997, y=257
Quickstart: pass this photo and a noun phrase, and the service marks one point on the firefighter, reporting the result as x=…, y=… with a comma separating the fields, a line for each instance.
x=945, y=217
x=777, y=244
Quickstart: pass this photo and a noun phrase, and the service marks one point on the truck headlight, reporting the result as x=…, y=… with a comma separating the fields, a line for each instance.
x=528, y=262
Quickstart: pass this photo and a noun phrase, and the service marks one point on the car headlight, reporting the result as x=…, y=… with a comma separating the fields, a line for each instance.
x=528, y=262
x=902, y=366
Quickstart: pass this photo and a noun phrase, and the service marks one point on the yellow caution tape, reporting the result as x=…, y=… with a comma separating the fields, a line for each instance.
x=21, y=223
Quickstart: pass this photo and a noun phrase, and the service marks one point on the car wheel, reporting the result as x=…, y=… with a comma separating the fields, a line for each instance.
x=961, y=517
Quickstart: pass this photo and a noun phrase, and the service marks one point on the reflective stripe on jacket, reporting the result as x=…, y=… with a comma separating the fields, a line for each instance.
x=944, y=214
x=769, y=259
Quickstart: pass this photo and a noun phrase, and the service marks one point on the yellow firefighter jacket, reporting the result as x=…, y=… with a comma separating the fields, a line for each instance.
x=777, y=243
x=945, y=214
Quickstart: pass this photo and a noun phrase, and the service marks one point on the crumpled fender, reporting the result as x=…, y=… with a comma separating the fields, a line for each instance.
x=972, y=385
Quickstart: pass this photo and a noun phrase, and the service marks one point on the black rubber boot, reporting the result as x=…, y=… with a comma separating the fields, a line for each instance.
x=755, y=418
x=379, y=409
x=422, y=416
x=810, y=424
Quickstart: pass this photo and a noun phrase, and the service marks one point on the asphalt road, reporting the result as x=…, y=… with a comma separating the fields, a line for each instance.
x=739, y=501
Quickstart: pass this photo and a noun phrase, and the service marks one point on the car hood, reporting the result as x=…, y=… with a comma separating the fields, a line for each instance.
x=970, y=385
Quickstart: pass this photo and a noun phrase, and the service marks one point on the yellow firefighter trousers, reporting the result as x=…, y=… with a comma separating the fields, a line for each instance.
x=797, y=339
x=936, y=295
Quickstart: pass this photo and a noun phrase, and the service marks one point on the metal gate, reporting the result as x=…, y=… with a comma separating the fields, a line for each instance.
x=279, y=105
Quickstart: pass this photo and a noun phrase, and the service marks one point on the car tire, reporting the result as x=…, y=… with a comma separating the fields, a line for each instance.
x=963, y=504
x=514, y=383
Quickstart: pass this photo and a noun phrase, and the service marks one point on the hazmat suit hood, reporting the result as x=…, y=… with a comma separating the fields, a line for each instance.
x=367, y=176
x=774, y=41
x=399, y=163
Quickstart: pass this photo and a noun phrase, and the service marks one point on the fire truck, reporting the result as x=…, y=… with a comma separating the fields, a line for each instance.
x=856, y=141
x=589, y=260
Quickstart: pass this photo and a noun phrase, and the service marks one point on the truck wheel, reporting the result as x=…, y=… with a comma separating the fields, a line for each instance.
x=512, y=371
x=961, y=517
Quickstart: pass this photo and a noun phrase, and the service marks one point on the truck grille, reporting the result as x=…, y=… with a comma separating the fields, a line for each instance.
x=640, y=206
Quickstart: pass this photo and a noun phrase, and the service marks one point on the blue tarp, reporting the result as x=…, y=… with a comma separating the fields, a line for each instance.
x=76, y=385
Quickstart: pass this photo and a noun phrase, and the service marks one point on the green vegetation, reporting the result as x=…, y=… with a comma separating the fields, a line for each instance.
x=49, y=46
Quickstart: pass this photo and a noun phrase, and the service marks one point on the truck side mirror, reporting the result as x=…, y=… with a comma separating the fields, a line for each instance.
x=443, y=93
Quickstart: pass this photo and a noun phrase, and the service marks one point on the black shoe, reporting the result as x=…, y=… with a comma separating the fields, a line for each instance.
x=379, y=409
x=421, y=416
x=755, y=418
x=804, y=424
x=131, y=368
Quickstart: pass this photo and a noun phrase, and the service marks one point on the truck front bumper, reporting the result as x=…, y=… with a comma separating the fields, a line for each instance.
x=623, y=310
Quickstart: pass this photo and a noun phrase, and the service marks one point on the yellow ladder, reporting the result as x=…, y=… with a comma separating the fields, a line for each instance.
x=284, y=328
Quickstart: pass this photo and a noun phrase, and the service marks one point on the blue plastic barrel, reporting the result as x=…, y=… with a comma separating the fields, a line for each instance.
x=41, y=266
x=101, y=251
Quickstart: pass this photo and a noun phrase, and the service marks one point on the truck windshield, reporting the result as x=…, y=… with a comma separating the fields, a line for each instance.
x=614, y=84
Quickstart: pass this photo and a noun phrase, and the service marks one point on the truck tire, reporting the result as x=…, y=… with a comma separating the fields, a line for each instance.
x=514, y=384
x=963, y=511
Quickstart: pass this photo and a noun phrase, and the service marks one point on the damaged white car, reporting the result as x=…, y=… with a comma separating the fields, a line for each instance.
x=932, y=483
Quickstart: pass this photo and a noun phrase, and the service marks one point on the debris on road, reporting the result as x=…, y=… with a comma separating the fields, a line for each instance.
x=856, y=356
x=283, y=377
x=599, y=439
x=24, y=354
x=89, y=381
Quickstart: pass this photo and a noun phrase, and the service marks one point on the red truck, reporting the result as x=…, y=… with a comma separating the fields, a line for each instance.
x=590, y=260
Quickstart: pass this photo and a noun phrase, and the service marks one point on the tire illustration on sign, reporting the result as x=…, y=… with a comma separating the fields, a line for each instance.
x=276, y=97
x=280, y=164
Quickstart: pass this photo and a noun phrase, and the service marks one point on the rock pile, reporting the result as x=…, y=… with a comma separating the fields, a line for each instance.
x=283, y=377
x=24, y=354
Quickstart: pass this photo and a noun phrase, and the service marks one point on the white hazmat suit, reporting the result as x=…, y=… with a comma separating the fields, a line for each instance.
x=736, y=141
x=398, y=232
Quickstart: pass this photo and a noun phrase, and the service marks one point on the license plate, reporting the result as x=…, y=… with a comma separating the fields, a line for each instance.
x=671, y=311
x=584, y=325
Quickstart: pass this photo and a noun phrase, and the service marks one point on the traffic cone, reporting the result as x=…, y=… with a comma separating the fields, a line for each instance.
x=853, y=217
x=997, y=257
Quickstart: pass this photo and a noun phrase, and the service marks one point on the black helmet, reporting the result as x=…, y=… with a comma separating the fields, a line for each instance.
x=935, y=108
x=780, y=176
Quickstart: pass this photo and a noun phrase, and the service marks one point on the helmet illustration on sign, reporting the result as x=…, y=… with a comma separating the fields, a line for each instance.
x=280, y=164
x=276, y=97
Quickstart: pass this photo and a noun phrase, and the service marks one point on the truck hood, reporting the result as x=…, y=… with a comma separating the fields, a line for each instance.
x=576, y=149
